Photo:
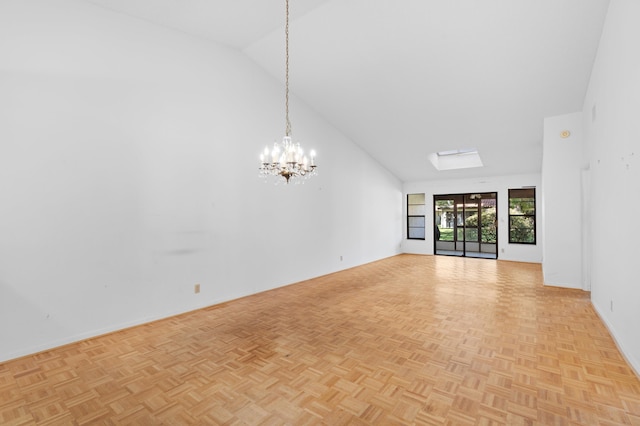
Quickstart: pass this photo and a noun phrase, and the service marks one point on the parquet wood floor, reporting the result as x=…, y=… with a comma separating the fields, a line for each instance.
x=424, y=340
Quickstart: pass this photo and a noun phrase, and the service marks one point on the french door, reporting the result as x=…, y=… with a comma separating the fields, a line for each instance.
x=466, y=225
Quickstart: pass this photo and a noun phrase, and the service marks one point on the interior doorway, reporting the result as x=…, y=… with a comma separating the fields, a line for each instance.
x=466, y=225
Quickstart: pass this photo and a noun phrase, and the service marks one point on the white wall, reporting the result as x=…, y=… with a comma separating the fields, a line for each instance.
x=499, y=184
x=128, y=173
x=612, y=135
x=562, y=165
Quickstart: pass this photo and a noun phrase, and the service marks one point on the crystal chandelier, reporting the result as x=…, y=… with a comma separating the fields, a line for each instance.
x=287, y=159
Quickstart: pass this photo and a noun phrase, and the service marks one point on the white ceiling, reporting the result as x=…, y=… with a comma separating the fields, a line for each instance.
x=406, y=78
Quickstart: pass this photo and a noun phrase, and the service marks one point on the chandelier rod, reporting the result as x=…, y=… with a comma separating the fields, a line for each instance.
x=287, y=131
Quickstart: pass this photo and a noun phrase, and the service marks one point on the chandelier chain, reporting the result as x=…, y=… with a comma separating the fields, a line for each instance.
x=286, y=83
x=287, y=160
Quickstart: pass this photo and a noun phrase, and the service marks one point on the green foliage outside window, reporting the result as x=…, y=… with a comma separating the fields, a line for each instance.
x=522, y=216
x=488, y=228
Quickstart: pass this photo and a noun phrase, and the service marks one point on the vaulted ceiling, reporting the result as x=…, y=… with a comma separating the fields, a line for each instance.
x=407, y=78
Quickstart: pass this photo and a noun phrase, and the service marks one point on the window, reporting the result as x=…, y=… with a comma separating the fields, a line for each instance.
x=415, y=216
x=522, y=216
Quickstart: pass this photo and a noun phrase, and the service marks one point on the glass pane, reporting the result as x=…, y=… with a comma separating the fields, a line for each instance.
x=446, y=234
x=522, y=206
x=471, y=214
x=528, y=205
x=522, y=193
x=488, y=222
x=415, y=198
x=521, y=229
x=471, y=218
x=445, y=219
x=416, y=233
x=471, y=234
x=444, y=205
x=416, y=222
x=417, y=210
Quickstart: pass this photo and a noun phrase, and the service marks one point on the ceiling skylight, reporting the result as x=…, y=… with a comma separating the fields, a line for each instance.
x=456, y=159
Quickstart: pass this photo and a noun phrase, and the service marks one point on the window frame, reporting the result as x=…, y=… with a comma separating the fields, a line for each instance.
x=521, y=193
x=410, y=216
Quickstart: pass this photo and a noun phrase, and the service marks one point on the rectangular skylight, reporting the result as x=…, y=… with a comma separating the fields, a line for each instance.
x=457, y=152
x=456, y=159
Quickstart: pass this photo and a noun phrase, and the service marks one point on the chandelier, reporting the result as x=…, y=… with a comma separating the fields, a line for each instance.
x=287, y=159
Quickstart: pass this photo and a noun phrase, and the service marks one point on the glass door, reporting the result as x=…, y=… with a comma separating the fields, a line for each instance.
x=465, y=225
x=468, y=226
x=446, y=225
x=488, y=226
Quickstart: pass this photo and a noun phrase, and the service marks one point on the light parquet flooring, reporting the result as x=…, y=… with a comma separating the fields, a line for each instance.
x=425, y=340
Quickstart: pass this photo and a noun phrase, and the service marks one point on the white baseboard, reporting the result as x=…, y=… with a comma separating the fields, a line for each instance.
x=631, y=360
x=56, y=343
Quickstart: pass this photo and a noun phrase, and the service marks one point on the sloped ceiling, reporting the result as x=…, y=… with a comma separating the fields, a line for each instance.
x=407, y=78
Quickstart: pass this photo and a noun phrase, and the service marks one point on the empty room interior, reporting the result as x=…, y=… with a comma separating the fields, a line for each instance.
x=319, y=212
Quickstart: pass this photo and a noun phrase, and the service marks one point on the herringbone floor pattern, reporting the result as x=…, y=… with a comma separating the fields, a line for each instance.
x=407, y=340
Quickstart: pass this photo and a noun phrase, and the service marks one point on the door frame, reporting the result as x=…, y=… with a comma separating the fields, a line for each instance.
x=488, y=250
